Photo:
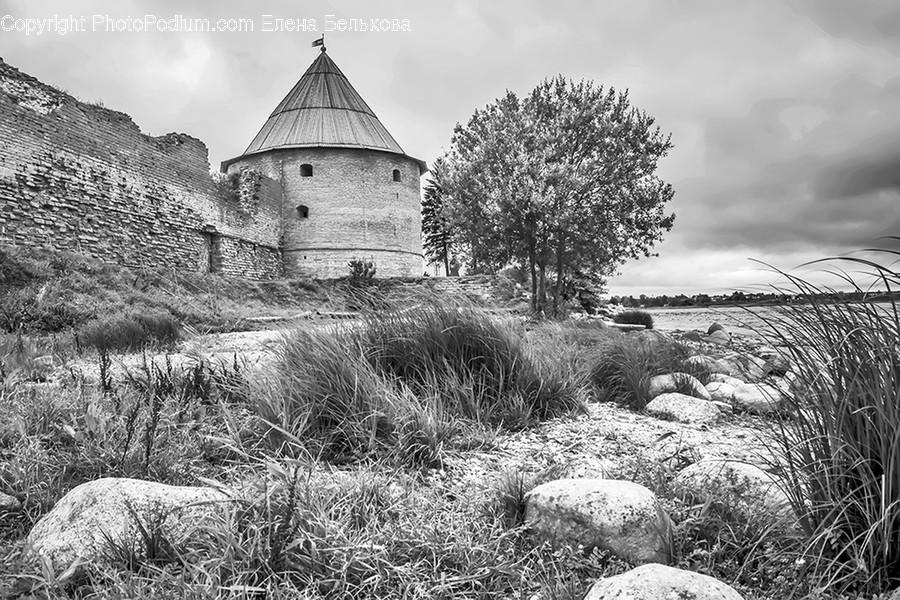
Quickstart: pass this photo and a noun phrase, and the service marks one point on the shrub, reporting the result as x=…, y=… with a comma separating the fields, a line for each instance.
x=36, y=309
x=327, y=398
x=839, y=446
x=362, y=291
x=13, y=272
x=227, y=185
x=400, y=379
x=362, y=273
x=436, y=343
x=634, y=317
x=19, y=358
x=587, y=291
x=623, y=366
x=126, y=332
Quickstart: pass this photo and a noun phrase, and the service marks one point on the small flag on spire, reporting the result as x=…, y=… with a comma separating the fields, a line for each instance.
x=319, y=42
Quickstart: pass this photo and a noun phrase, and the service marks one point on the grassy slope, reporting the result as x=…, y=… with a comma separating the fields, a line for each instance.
x=52, y=292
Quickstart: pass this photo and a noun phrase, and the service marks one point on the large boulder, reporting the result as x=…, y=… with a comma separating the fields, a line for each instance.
x=777, y=363
x=720, y=392
x=622, y=517
x=701, y=362
x=719, y=337
x=680, y=407
x=740, y=485
x=677, y=382
x=723, y=378
x=85, y=525
x=756, y=398
x=8, y=502
x=744, y=366
x=714, y=328
x=659, y=582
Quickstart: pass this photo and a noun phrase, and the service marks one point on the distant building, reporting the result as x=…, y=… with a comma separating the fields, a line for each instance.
x=349, y=189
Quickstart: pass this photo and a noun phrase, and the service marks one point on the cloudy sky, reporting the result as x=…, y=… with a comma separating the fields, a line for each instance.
x=785, y=115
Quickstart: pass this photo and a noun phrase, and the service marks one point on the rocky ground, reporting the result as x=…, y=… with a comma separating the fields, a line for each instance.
x=606, y=442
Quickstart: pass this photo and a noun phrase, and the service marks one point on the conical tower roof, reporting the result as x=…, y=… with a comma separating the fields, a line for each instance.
x=323, y=110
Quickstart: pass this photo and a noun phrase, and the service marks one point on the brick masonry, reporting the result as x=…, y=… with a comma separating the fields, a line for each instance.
x=349, y=208
x=81, y=177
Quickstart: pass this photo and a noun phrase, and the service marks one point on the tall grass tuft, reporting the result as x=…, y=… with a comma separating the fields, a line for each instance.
x=405, y=377
x=124, y=332
x=624, y=364
x=327, y=398
x=841, y=445
x=438, y=340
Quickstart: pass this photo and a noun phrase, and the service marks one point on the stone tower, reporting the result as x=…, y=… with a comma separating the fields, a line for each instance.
x=349, y=189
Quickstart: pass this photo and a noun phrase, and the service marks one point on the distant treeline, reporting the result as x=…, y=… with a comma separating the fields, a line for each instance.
x=743, y=298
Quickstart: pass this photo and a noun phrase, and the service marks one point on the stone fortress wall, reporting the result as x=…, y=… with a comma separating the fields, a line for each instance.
x=80, y=177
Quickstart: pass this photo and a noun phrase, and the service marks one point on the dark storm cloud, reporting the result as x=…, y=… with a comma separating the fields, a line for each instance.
x=863, y=177
x=871, y=22
x=814, y=172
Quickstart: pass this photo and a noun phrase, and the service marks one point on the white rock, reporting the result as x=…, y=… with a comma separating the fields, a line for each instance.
x=44, y=362
x=8, y=502
x=759, y=399
x=701, y=362
x=783, y=386
x=622, y=517
x=745, y=366
x=739, y=484
x=80, y=526
x=766, y=351
x=714, y=328
x=719, y=337
x=723, y=378
x=720, y=392
x=686, y=409
x=724, y=407
x=677, y=382
x=659, y=582
x=777, y=364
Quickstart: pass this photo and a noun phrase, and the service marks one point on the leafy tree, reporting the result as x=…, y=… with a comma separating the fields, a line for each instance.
x=562, y=182
x=437, y=239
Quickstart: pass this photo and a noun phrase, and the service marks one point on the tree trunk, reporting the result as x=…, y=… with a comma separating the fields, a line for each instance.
x=446, y=260
x=560, y=277
x=533, y=270
x=542, y=290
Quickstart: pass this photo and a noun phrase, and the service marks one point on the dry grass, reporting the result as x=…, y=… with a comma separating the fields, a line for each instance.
x=390, y=400
x=407, y=377
x=841, y=445
x=44, y=292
